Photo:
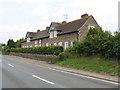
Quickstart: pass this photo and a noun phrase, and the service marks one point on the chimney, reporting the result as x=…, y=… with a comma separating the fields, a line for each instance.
x=64, y=22
x=47, y=28
x=84, y=16
x=38, y=30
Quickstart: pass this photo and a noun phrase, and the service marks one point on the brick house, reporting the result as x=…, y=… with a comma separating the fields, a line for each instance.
x=63, y=34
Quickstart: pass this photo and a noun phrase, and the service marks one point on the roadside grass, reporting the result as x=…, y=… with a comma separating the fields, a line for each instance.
x=0, y=52
x=94, y=64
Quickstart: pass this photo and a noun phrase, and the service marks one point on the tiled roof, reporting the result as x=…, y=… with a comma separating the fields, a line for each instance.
x=71, y=26
x=42, y=34
x=56, y=24
x=64, y=28
x=31, y=34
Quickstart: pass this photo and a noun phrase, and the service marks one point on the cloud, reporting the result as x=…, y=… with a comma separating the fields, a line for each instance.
x=20, y=16
x=40, y=9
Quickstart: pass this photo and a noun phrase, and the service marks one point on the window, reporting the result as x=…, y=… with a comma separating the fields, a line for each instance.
x=55, y=33
x=47, y=44
x=28, y=39
x=91, y=26
x=36, y=42
x=30, y=45
x=40, y=43
x=36, y=45
x=60, y=43
x=50, y=44
x=51, y=34
x=55, y=44
x=66, y=44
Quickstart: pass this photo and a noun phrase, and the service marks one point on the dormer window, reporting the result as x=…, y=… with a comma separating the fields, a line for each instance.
x=53, y=32
x=28, y=39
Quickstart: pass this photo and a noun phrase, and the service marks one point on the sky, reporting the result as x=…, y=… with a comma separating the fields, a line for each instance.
x=19, y=16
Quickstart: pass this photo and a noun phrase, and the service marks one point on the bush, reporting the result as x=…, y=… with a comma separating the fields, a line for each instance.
x=97, y=42
x=64, y=55
x=45, y=50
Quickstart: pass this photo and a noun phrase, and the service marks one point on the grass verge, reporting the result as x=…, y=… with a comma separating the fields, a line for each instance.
x=94, y=64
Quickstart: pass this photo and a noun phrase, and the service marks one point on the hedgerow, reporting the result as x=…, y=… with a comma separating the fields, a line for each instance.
x=44, y=50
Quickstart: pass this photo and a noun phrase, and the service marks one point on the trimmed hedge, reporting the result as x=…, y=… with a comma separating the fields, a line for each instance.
x=45, y=50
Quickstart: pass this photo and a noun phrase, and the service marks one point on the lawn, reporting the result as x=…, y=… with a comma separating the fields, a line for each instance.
x=94, y=64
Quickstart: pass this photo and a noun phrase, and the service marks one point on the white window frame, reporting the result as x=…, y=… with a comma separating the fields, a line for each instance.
x=40, y=41
x=28, y=39
x=55, y=44
x=91, y=26
x=47, y=44
x=60, y=43
x=36, y=45
x=51, y=34
x=66, y=44
x=31, y=46
x=55, y=33
x=36, y=42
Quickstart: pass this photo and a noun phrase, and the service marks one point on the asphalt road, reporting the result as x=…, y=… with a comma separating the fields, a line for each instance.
x=18, y=74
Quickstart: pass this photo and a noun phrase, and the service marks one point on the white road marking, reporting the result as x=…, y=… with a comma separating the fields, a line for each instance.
x=43, y=79
x=10, y=65
x=84, y=76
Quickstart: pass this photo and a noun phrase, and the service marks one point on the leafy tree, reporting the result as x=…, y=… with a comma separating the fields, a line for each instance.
x=11, y=43
x=98, y=42
x=18, y=43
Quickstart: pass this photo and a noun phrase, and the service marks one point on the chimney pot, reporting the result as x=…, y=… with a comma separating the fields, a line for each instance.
x=47, y=27
x=64, y=22
x=84, y=16
x=38, y=30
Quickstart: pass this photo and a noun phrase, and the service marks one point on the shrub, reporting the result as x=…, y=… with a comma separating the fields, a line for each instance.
x=45, y=50
x=97, y=42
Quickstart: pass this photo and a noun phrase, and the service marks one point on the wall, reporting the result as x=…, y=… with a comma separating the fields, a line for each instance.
x=84, y=29
x=47, y=58
x=62, y=38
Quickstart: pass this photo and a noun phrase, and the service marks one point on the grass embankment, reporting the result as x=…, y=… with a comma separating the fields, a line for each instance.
x=0, y=52
x=94, y=64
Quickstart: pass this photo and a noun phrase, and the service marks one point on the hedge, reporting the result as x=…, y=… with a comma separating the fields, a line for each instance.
x=44, y=50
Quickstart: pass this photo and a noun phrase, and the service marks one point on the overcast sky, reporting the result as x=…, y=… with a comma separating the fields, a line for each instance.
x=19, y=16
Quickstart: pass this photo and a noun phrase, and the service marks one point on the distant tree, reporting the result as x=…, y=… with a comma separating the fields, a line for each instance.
x=11, y=43
x=18, y=43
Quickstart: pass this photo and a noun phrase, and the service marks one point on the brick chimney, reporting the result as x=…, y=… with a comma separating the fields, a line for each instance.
x=38, y=30
x=47, y=28
x=64, y=22
x=84, y=16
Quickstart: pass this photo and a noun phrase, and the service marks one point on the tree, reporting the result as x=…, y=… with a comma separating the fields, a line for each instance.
x=11, y=43
x=18, y=43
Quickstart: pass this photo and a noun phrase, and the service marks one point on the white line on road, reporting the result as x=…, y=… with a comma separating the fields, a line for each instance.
x=10, y=65
x=43, y=79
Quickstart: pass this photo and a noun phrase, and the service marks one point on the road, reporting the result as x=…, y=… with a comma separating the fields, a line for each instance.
x=18, y=74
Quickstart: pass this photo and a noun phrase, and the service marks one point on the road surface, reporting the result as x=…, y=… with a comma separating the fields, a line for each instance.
x=18, y=74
